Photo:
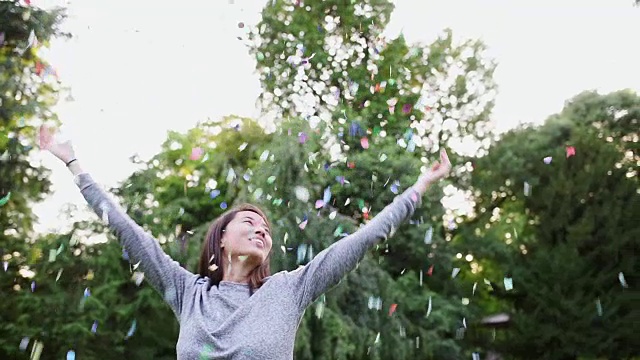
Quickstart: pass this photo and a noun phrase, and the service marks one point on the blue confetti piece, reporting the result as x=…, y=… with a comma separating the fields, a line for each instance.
x=71, y=355
x=223, y=205
x=132, y=329
x=87, y=292
x=94, y=327
x=215, y=193
x=327, y=195
x=394, y=187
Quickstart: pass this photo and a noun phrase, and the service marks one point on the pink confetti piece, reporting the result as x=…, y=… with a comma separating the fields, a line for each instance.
x=406, y=108
x=364, y=142
x=392, y=309
x=319, y=204
x=303, y=224
x=430, y=271
x=196, y=153
x=571, y=151
x=547, y=160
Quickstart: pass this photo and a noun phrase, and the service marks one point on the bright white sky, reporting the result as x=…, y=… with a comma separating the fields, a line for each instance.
x=140, y=68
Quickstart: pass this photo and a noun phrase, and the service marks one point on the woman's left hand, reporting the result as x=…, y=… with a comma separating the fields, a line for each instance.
x=439, y=170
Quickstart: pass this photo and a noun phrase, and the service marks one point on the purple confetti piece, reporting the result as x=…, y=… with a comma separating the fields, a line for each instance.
x=33, y=286
x=406, y=108
x=215, y=193
x=94, y=327
x=302, y=137
x=547, y=160
x=223, y=205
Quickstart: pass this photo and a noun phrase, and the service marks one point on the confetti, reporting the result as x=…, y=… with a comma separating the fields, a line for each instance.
x=87, y=292
x=319, y=204
x=5, y=265
x=508, y=283
x=571, y=151
x=475, y=356
x=428, y=236
x=430, y=271
x=241, y=25
x=24, y=343
x=364, y=142
x=455, y=272
x=301, y=193
x=196, y=153
x=302, y=252
x=394, y=187
x=132, y=330
x=5, y=199
x=527, y=189
x=71, y=355
x=464, y=322
x=223, y=205
x=214, y=193
x=406, y=108
x=429, y=307
x=383, y=157
x=547, y=160
x=264, y=156
x=94, y=327
x=213, y=267
x=137, y=277
x=1, y=38
x=623, y=282
x=33, y=286
x=392, y=309
x=302, y=138
x=599, y=307
x=475, y=285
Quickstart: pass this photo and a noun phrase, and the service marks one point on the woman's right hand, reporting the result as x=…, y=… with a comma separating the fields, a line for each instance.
x=63, y=150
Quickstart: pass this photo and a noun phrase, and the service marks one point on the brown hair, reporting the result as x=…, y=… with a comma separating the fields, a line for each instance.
x=212, y=252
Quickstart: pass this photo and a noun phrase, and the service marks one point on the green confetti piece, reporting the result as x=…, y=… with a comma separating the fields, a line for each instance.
x=5, y=199
x=338, y=231
x=271, y=179
x=52, y=255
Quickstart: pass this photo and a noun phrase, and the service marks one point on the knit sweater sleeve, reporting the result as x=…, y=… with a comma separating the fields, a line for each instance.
x=163, y=273
x=330, y=265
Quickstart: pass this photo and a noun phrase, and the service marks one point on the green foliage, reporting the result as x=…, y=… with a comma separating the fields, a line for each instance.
x=565, y=243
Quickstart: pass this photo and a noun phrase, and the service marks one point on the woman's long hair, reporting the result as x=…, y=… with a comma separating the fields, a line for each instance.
x=212, y=252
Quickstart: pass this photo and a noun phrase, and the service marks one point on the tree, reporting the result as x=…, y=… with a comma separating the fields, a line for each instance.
x=380, y=108
x=28, y=89
x=562, y=229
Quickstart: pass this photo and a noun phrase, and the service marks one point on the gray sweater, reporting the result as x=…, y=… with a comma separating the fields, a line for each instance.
x=225, y=322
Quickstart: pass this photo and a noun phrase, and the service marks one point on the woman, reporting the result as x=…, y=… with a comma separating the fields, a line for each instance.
x=234, y=308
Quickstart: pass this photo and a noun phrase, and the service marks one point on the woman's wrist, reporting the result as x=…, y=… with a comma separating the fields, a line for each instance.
x=74, y=167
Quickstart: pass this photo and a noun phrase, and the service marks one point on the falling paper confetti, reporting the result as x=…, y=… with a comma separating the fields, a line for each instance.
x=571, y=151
x=223, y=205
x=429, y=307
x=430, y=272
x=475, y=284
x=599, y=307
x=71, y=355
x=214, y=193
x=475, y=356
x=94, y=327
x=455, y=272
x=196, y=153
x=87, y=292
x=24, y=343
x=508, y=283
x=547, y=160
x=527, y=189
x=132, y=330
x=364, y=142
x=392, y=309
x=302, y=193
x=33, y=286
x=5, y=265
x=428, y=236
x=5, y=199
x=623, y=282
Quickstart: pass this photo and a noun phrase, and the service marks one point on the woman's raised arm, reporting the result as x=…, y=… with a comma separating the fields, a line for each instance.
x=163, y=273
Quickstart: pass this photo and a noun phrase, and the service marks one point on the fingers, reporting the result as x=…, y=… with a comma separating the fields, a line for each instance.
x=435, y=166
x=444, y=157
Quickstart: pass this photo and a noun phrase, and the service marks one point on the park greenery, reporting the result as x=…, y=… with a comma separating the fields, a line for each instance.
x=540, y=266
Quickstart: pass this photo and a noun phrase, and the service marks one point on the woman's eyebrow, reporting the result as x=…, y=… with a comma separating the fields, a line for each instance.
x=252, y=219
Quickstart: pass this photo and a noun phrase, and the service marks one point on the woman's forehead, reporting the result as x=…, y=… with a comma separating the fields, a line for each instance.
x=251, y=215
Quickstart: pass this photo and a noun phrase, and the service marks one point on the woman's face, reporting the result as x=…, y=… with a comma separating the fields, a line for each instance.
x=247, y=235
